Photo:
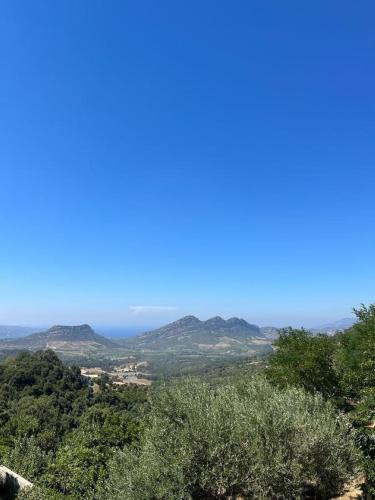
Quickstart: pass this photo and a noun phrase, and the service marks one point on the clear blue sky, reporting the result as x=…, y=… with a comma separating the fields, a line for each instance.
x=167, y=158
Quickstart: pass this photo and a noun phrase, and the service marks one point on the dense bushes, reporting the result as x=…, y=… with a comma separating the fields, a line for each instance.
x=342, y=368
x=355, y=357
x=305, y=360
x=56, y=431
x=249, y=439
x=39, y=397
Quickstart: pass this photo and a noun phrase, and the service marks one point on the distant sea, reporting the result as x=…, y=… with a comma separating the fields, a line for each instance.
x=118, y=332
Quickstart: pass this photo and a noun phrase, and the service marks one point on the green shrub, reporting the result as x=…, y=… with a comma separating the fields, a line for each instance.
x=26, y=457
x=355, y=358
x=250, y=439
x=42, y=493
x=304, y=360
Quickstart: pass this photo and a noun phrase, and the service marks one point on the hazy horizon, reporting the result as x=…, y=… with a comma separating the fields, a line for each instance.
x=142, y=327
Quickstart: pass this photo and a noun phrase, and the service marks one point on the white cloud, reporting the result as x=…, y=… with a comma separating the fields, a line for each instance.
x=150, y=309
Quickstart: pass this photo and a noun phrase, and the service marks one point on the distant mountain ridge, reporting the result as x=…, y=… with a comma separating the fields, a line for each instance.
x=331, y=328
x=60, y=335
x=14, y=331
x=191, y=334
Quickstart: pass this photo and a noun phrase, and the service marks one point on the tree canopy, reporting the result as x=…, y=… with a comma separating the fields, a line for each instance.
x=298, y=424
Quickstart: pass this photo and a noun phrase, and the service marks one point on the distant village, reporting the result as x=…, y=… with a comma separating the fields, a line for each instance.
x=134, y=372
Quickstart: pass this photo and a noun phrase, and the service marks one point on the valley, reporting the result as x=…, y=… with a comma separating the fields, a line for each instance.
x=184, y=346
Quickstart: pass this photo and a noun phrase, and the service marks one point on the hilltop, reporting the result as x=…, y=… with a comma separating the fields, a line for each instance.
x=62, y=338
x=191, y=334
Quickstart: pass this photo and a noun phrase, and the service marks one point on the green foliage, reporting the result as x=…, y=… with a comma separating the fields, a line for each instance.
x=42, y=493
x=234, y=435
x=77, y=467
x=302, y=359
x=26, y=457
x=249, y=439
x=55, y=431
x=342, y=368
x=38, y=397
x=355, y=363
x=81, y=461
x=355, y=359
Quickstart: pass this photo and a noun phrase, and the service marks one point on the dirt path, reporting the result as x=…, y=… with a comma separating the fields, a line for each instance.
x=353, y=490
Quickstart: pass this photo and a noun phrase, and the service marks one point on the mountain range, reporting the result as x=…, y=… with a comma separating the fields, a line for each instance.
x=335, y=326
x=187, y=335
x=191, y=334
x=13, y=331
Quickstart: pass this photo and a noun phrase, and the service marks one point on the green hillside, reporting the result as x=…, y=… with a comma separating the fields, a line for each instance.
x=214, y=336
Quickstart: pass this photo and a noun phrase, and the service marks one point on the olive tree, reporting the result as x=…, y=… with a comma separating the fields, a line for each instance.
x=250, y=440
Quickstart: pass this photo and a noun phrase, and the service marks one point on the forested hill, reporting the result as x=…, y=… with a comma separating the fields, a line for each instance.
x=58, y=431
